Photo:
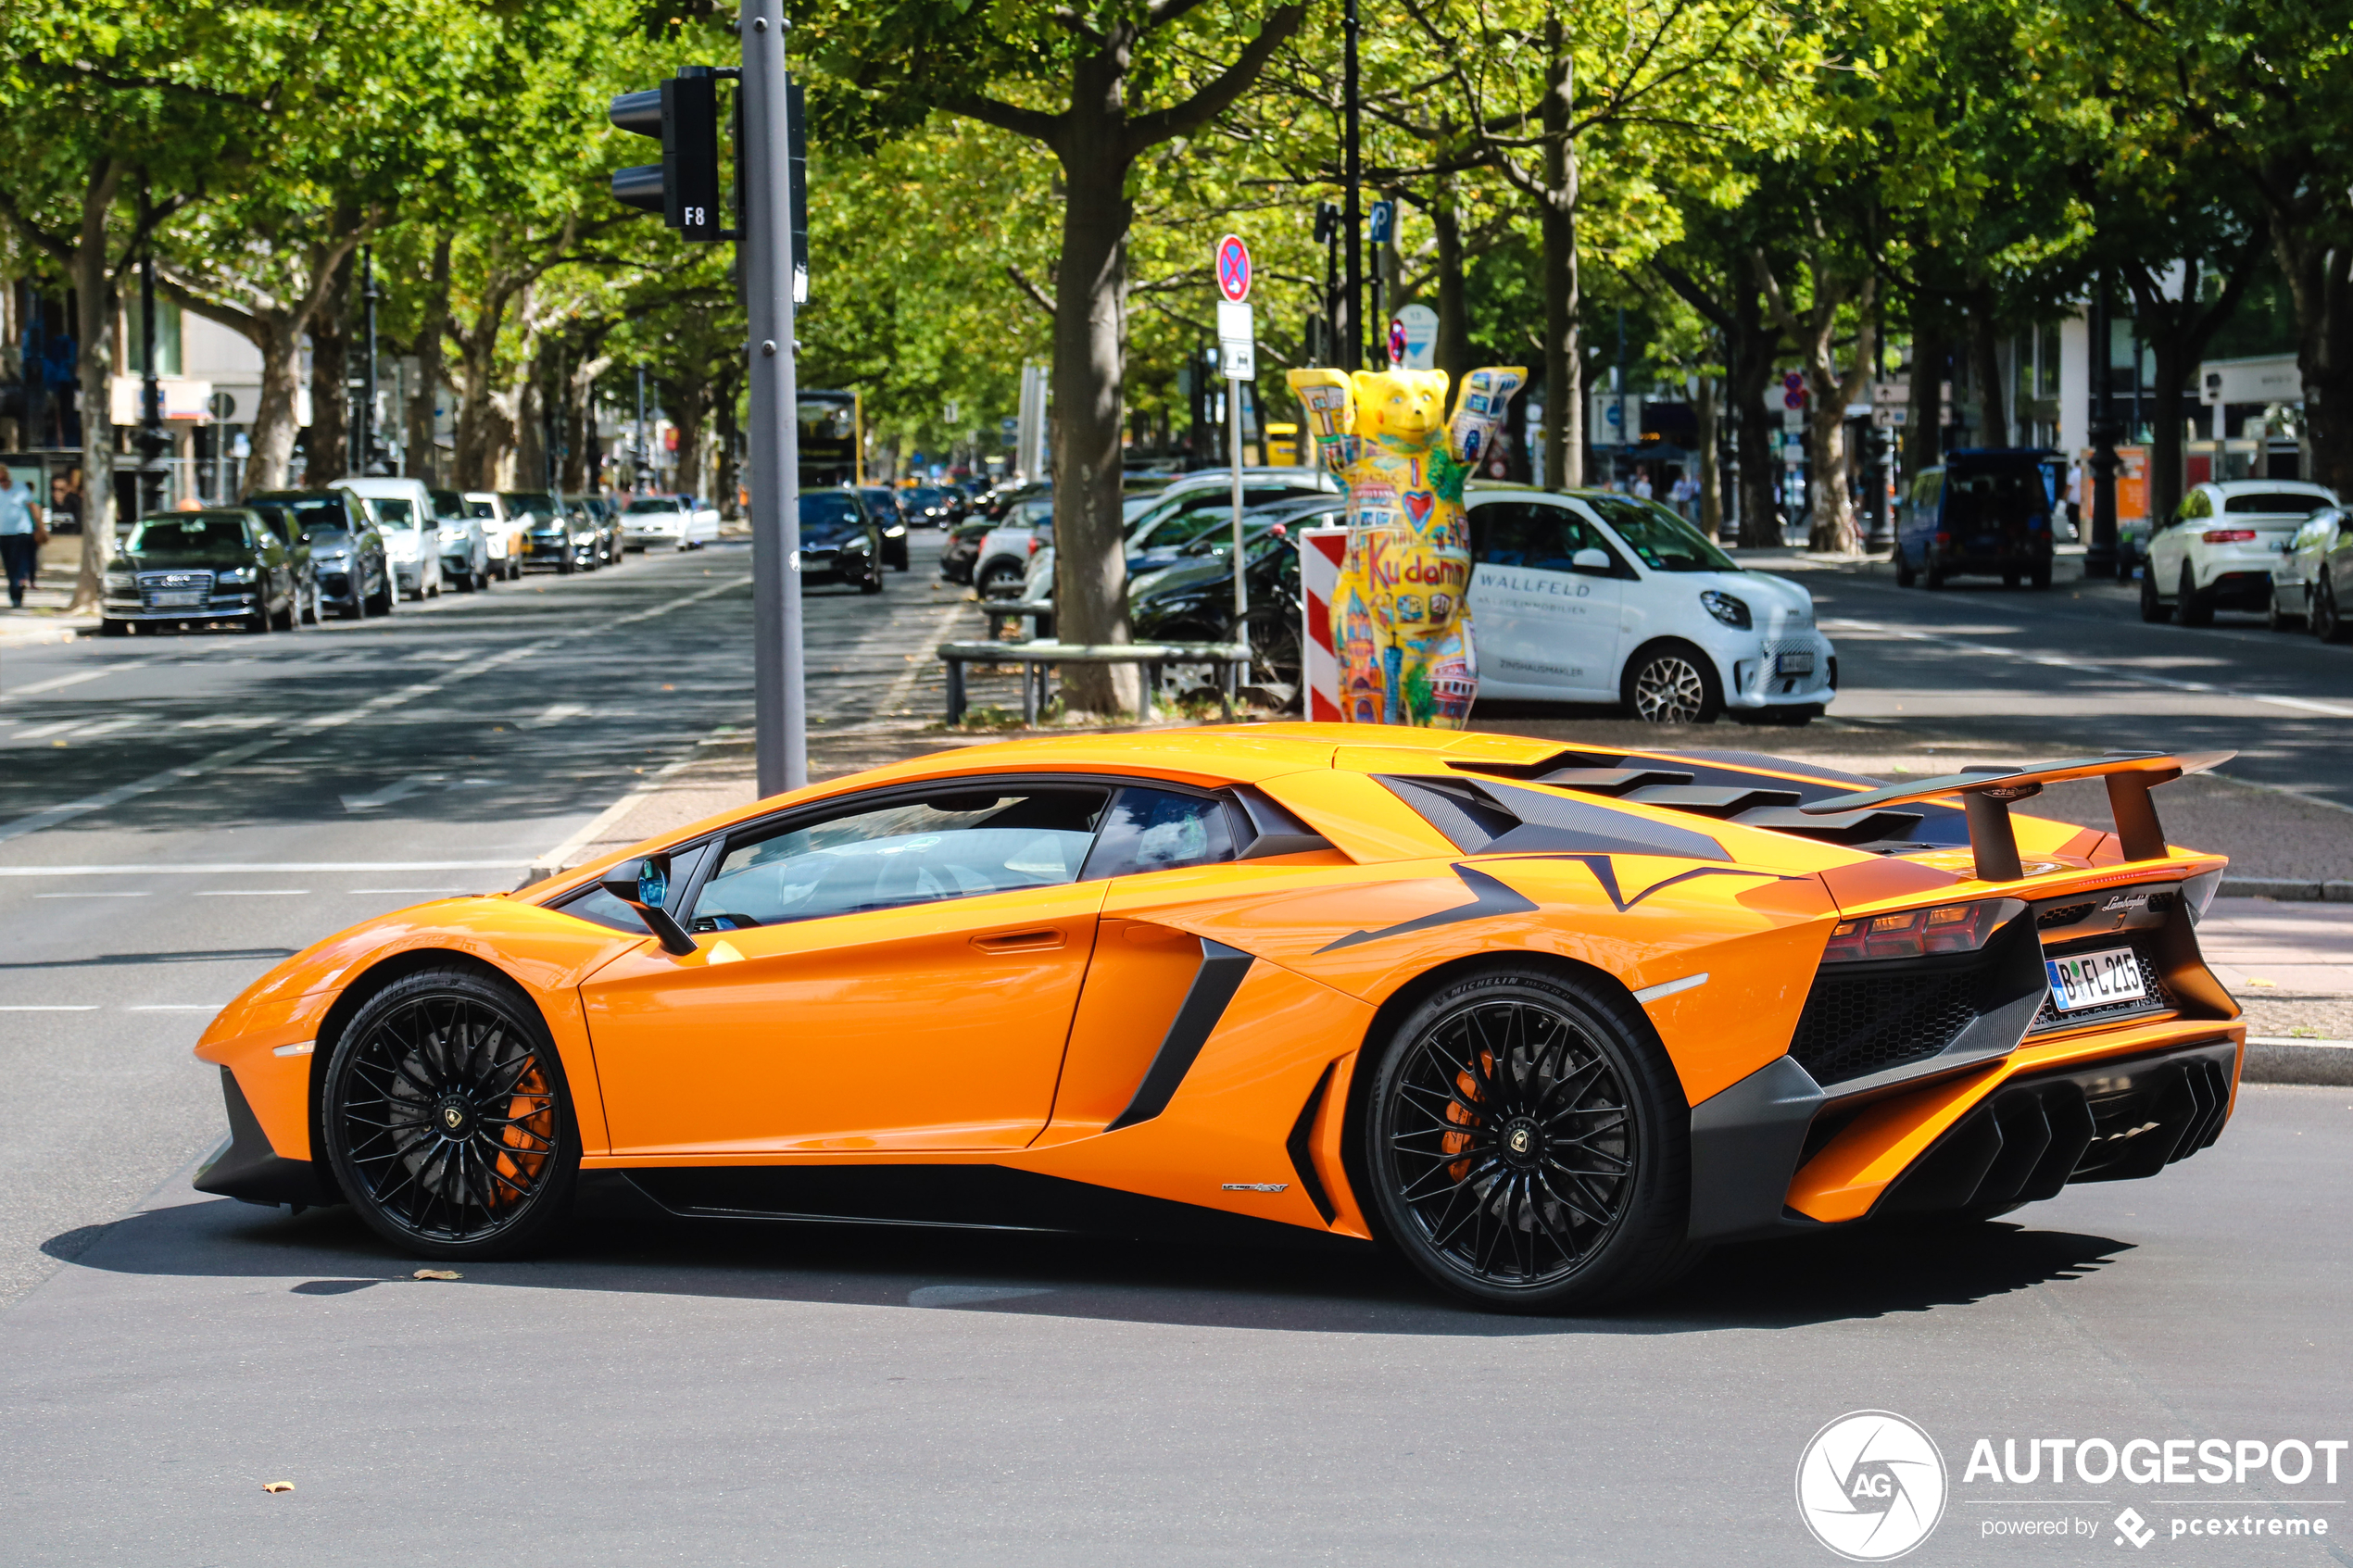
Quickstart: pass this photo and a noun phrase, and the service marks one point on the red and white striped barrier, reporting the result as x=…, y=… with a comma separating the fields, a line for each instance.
x=1320, y=553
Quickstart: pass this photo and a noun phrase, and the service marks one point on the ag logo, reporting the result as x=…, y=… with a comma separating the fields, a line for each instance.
x=1870, y=1485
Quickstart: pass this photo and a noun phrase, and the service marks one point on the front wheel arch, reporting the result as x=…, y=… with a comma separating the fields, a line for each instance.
x=355, y=996
x=1712, y=679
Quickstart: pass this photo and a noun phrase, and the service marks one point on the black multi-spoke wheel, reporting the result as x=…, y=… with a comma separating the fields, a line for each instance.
x=445, y=1116
x=1520, y=1140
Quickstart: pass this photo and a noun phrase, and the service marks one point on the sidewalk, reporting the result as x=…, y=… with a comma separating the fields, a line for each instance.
x=44, y=617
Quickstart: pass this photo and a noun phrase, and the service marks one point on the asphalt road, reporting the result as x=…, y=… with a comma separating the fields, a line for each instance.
x=657, y=1392
x=178, y=812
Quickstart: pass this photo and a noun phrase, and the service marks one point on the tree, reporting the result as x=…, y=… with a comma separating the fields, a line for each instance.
x=885, y=65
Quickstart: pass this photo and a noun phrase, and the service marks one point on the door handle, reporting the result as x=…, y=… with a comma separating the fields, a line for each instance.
x=1039, y=941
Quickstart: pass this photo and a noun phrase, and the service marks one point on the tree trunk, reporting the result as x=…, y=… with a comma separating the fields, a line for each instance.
x=328, y=446
x=1454, y=346
x=1924, y=418
x=1711, y=479
x=1090, y=286
x=2177, y=331
x=1985, y=366
x=479, y=438
x=274, y=429
x=1748, y=364
x=687, y=415
x=728, y=430
x=2318, y=284
x=541, y=370
x=423, y=452
x=1563, y=362
x=93, y=300
x=580, y=421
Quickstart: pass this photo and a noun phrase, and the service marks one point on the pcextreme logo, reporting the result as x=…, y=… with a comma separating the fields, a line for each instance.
x=1870, y=1485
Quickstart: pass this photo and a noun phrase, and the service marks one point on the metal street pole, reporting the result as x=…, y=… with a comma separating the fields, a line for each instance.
x=152, y=439
x=368, y=387
x=779, y=700
x=1351, y=354
x=2100, y=559
x=641, y=461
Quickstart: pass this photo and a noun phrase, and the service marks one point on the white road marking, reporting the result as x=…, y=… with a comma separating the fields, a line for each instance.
x=53, y=815
x=459, y=891
x=233, y=868
x=58, y=682
x=92, y=894
x=42, y=732
x=2060, y=661
x=552, y=862
x=91, y=1006
x=251, y=893
x=556, y=713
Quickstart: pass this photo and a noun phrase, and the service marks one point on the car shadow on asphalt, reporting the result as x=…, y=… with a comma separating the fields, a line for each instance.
x=1326, y=1286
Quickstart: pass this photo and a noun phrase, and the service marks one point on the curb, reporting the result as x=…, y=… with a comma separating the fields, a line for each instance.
x=2287, y=889
x=2299, y=1061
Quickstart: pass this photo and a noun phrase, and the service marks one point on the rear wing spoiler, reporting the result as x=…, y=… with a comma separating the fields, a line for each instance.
x=1986, y=793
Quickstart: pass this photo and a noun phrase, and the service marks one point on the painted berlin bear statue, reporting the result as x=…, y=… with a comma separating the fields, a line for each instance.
x=1401, y=625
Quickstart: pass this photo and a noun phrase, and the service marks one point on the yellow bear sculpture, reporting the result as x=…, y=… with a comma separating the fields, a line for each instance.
x=1401, y=625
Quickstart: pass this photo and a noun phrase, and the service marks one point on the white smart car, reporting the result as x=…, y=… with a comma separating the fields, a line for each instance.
x=2222, y=548
x=1588, y=595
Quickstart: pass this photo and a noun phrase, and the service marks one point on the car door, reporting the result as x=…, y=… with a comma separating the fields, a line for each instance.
x=2166, y=544
x=894, y=972
x=1542, y=626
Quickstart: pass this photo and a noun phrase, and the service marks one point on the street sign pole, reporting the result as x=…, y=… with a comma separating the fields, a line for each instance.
x=1237, y=356
x=779, y=699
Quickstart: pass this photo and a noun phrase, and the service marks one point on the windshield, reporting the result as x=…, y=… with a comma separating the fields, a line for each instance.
x=449, y=506
x=1662, y=541
x=829, y=515
x=393, y=513
x=920, y=496
x=534, y=503
x=190, y=538
x=293, y=516
x=652, y=504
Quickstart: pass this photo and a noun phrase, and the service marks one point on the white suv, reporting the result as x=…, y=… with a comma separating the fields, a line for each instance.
x=1595, y=596
x=2222, y=545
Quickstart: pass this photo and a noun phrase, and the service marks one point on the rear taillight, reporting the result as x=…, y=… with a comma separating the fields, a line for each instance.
x=1943, y=540
x=1033, y=544
x=1916, y=934
x=2229, y=535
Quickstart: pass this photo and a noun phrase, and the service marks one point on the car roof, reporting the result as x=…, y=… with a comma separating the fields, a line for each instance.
x=2256, y=486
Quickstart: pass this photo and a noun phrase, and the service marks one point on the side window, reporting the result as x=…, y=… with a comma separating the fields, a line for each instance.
x=1529, y=534
x=1159, y=830
x=956, y=844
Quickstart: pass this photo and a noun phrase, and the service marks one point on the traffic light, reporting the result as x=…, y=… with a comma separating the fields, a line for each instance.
x=683, y=114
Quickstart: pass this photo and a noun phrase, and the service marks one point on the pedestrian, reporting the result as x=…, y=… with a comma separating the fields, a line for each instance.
x=21, y=537
x=1642, y=484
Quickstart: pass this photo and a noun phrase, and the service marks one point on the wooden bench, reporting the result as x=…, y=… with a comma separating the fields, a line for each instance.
x=1042, y=656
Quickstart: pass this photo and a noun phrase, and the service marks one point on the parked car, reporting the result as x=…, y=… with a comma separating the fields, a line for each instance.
x=890, y=515
x=1193, y=602
x=464, y=545
x=403, y=510
x=349, y=565
x=661, y=522
x=1003, y=557
x=2220, y=549
x=1983, y=511
x=929, y=506
x=554, y=535
x=501, y=527
x=190, y=567
x=839, y=543
x=604, y=515
x=2316, y=576
x=961, y=550
x=1587, y=595
x=282, y=524
x=1293, y=511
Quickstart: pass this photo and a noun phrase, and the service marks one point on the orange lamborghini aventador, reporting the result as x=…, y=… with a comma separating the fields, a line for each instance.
x=1549, y=1021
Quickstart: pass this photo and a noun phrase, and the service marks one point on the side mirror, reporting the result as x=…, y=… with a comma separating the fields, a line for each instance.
x=642, y=888
x=1590, y=560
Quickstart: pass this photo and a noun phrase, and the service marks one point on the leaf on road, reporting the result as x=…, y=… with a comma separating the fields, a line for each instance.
x=277, y=1486
x=436, y=1273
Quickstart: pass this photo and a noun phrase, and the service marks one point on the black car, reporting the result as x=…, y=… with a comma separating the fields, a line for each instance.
x=189, y=568
x=555, y=535
x=1983, y=510
x=962, y=548
x=604, y=515
x=884, y=505
x=931, y=506
x=839, y=542
x=1193, y=602
x=350, y=575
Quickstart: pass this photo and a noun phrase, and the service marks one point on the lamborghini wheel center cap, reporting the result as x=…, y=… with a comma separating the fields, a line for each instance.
x=453, y=1116
x=1522, y=1141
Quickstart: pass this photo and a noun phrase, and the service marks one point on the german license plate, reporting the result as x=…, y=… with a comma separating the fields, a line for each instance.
x=2091, y=980
x=174, y=600
x=1794, y=664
